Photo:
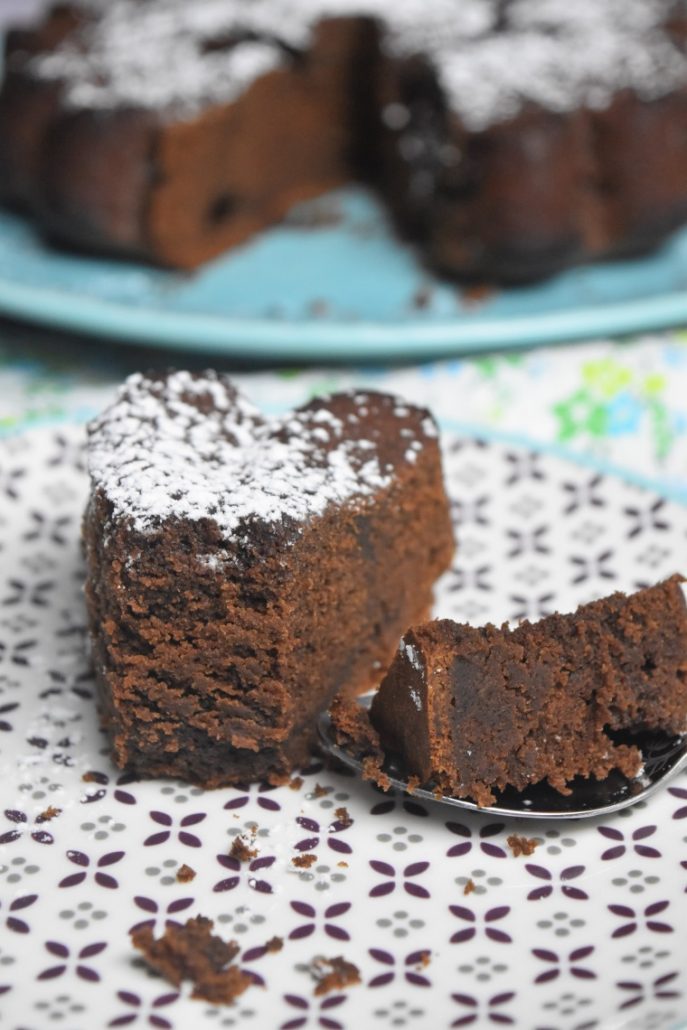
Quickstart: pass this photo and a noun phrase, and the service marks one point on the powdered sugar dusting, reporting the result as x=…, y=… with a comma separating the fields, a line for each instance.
x=161, y=54
x=491, y=56
x=416, y=699
x=190, y=447
x=407, y=24
x=213, y=562
x=561, y=56
x=412, y=655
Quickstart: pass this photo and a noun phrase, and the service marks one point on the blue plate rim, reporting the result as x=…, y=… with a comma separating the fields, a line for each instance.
x=262, y=338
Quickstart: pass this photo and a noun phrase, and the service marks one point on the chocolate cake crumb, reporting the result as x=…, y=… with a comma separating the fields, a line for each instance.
x=423, y=960
x=372, y=770
x=315, y=216
x=343, y=816
x=320, y=791
x=412, y=784
x=341, y=974
x=522, y=845
x=296, y=783
x=185, y=874
x=222, y=988
x=50, y=813
x=319, y=309
x=422, y=298
x=241, y=850
x=352, y=728
x=342, y=865
x=274, y=944
x=303, y=861
x=475, y=296
x=469, y=887
x=90, y=777
x=192, y=952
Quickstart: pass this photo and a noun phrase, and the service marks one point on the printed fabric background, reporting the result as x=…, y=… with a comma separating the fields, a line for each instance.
x=620, y=405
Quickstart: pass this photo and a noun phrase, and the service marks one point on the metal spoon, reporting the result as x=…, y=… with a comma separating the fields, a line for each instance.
x=664, y=757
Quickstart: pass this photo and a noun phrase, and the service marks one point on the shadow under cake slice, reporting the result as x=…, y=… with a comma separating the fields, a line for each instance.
x=478, y=709
x=242, y=570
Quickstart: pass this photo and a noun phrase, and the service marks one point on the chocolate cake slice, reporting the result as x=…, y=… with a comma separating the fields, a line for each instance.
x=477, y=710
x=243, y=570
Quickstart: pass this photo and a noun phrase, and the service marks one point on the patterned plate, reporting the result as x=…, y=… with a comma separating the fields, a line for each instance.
x=446, y=924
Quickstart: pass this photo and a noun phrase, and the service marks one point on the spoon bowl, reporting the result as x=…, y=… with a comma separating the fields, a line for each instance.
x=664, y=757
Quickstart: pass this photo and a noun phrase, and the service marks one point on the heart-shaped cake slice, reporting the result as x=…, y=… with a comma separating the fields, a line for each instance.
x=244, y=570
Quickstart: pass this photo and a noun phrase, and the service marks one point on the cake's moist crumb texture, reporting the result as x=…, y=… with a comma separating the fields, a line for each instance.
x=508, y=136
x=243, y=570
x=192, y=952
x=334, y=974
x=477, y=710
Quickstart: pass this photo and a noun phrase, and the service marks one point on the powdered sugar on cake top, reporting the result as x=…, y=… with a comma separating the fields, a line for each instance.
x=491, y=56
x=562, y=56
x=557, y=54
x=190, y=447
x=160, y=54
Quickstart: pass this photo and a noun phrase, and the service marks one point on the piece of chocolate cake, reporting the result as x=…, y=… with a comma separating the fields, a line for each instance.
x=243, y=570
x=477, y=710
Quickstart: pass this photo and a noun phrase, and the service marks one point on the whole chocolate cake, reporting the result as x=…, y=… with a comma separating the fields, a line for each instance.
x=243, y=570
x=509, y=137
x=477, y=710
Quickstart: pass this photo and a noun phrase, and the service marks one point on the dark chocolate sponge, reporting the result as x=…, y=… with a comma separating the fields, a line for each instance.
x=477, y=710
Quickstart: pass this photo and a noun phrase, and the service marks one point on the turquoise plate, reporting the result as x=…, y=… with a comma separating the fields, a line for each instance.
x=332, y=283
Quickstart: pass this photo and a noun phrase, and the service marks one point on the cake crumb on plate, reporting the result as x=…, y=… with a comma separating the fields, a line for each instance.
x=192, y=952
x=333, y=974
x=522, y=845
